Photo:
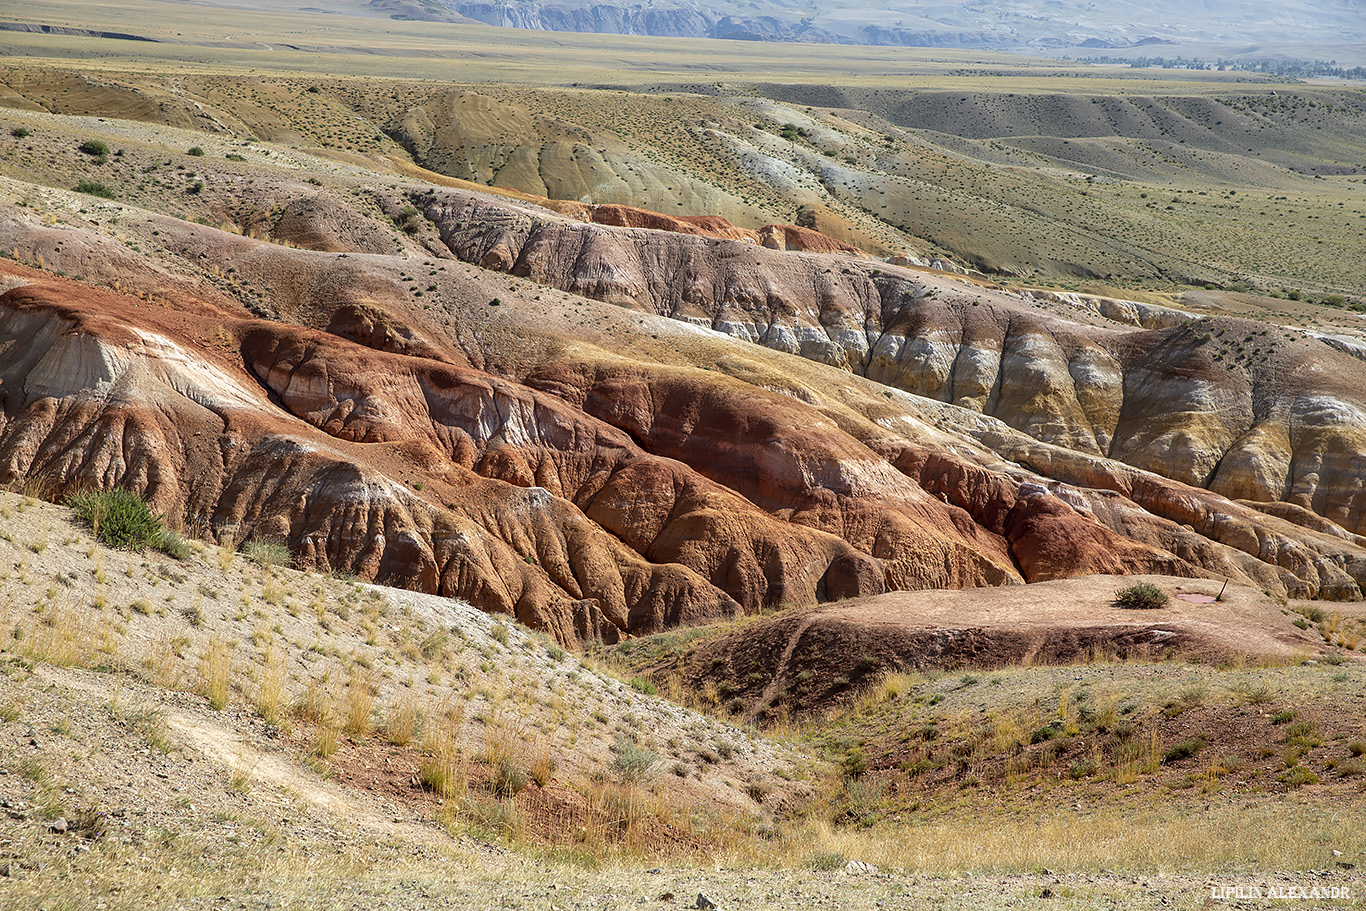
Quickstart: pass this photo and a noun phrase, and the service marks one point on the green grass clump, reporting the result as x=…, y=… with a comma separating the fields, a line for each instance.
x=19, y=133
x=196, y=151
x=826, y=861
x=266, y=553
x=95, y=188
x=173, y=545
x=1183, y=750
x=1141, y=596
x=1299, y=775
x=120, y=518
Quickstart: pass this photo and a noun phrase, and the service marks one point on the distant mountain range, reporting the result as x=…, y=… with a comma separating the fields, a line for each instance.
x=1006, y=25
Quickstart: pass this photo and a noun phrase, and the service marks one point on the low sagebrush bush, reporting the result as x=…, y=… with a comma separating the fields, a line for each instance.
x=95, y=149
x=631, y=761
x=173, y=545
x=95, y=188
x=1141, y=596
x=509, y=778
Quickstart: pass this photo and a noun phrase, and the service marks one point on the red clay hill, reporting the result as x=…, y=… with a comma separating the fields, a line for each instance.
x=607, y=429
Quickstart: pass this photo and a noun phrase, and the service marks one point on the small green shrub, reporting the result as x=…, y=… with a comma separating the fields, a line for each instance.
x=1079, y=770
x=644, y=685
x=19, y=133
x=95, y=149
x=1141, y=596
x=173, y=545
x=1300, y=730
x=196, y=151
x=234, y=156
x=409, y=220
x=854, y=763
x=95, y=188
x=1047, y=732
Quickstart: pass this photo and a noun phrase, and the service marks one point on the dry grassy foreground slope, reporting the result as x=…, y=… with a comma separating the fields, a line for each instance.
x=220, y=728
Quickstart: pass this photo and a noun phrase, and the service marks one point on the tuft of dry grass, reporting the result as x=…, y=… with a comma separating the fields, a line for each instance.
x=401, y=720
x=60, y=634
x=541, y=761
x=360, y=702
x=215, y=671
x=325, y=741
x=445, y=770
x=270, y=685
x=165, y=654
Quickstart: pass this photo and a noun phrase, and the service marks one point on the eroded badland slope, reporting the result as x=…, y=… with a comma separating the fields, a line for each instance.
x=608, y=430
